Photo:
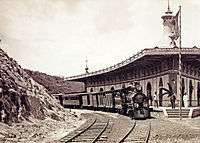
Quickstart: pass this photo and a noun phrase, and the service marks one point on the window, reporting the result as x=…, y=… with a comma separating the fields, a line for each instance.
x=91, y=89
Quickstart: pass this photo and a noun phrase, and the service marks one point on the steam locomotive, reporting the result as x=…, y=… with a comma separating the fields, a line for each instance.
x=128, y=101
x=140, y=107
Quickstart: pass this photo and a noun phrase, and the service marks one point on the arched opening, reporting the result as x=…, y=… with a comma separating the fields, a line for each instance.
x=88, y=99
x=149, y=92
x=113, y=97
x=190, y=93
x=91, y=97
x=160, y=83
x=101, y=90
x=182, y=90
x=101, y=96
x=123, y=85
x=160, y=91
x=91, y=89
x=198, y=94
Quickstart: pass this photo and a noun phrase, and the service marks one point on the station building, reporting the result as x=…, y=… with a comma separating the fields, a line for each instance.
x=154, y=69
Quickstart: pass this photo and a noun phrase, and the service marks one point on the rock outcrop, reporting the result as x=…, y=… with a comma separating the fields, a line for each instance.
x=22, y=97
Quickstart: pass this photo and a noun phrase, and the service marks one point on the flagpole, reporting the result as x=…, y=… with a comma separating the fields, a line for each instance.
x=179, y=67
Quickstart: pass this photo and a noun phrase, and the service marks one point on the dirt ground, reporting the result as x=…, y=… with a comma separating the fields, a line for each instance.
x=164, y=130
x=39, y=131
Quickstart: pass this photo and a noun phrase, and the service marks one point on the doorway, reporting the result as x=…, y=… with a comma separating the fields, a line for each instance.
x=149, y=93
x=182, y=91
x=190, y=93
x=160, y=91
x=198, y=94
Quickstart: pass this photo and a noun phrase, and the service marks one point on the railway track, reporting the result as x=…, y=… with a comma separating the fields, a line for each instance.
x=104, y=137
x=139, y=133
x=95, y=131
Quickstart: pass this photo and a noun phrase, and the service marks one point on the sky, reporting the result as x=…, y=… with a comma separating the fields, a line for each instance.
x=56, y=36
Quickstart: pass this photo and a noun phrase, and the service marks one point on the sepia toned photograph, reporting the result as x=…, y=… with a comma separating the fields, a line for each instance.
x=99, y=71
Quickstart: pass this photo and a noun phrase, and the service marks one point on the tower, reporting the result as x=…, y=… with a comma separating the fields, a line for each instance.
x=168, y=29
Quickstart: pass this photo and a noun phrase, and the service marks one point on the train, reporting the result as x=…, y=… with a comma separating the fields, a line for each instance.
x=127, y=101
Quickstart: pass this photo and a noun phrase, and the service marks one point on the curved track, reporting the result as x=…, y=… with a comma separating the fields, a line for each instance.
x=139, y=133
x=91, y=133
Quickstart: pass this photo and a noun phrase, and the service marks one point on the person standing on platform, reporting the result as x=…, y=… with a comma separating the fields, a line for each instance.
x=155, y=99
x=172, y=100
x=185, y=100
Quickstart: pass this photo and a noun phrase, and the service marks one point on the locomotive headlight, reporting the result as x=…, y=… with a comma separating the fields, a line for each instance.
x=136, y=105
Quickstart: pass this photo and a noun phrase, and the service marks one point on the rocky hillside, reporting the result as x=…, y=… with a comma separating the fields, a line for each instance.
x=21, y=97
x=55, y=84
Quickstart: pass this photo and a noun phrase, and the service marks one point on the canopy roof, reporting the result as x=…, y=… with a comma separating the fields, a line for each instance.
x=149, y=53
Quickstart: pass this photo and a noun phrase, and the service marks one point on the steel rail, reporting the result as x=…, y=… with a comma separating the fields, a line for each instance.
x=97, y=137
x=122, y=140
x=148, y=135
x=75, y=136
x=129, y=132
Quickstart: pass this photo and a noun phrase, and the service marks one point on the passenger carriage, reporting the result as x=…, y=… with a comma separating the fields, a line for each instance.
x=136, y=104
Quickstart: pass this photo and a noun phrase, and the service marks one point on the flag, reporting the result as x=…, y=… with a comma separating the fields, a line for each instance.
x=176, y=24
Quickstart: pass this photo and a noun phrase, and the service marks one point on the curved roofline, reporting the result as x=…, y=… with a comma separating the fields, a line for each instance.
x=144, y=52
